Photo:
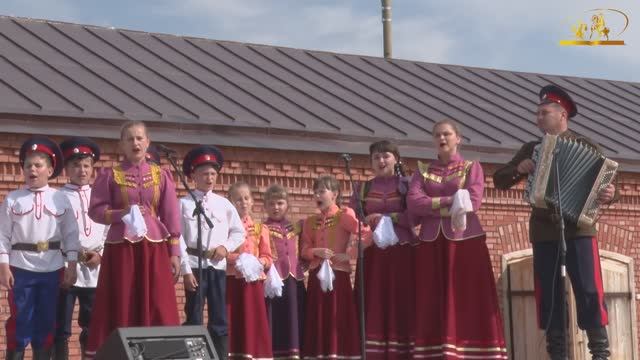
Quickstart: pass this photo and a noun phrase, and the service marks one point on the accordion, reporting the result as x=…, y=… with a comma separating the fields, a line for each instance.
x=582, y=171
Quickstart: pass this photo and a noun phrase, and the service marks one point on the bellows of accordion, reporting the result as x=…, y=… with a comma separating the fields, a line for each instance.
x=583, y=172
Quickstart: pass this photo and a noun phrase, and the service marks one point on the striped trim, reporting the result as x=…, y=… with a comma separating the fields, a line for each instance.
x=459, y=352
x=287, y=357
x=332, y=356
x=248, y=356
x=597, y=278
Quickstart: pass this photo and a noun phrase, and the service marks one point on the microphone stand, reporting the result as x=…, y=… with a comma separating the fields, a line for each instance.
x=199, y=212
x=360, y=262
x=563, y=257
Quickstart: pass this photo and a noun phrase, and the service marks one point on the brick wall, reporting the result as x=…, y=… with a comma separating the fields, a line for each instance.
x=503, y=213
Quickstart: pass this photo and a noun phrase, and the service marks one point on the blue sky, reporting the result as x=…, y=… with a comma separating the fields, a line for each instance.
x=512, y=35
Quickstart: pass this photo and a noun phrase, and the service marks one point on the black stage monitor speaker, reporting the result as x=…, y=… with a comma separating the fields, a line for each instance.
x=156, y=343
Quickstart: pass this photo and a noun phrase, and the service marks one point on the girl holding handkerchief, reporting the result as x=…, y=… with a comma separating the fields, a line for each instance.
x=388, y=264
x=457, y=310
x=286, y=311
x=141, y=259
x=331, y=321
x=249, y=334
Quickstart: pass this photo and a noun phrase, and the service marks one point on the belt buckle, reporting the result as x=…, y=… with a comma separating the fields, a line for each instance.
x=42, y=246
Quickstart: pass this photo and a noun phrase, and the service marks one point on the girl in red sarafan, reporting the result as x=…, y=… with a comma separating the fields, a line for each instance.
x=249, y=334
x=331, y=321
x=388, y=271
x=457, y=314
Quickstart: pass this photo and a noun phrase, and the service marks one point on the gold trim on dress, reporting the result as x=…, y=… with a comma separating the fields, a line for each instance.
x=435, y=203
x=463, y=179
x=155, y=176
x=424, y=170
x=120, y=178
x=108, y=216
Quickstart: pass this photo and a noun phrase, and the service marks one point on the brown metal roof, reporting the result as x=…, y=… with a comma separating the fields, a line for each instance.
x=62, y=70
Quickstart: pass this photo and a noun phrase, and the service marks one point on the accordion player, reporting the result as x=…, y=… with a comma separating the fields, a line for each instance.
x=583, y=173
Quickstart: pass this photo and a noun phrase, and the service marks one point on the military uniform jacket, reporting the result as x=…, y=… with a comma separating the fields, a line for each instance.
x=543, y=223
x=91, y=234
x=38, y=216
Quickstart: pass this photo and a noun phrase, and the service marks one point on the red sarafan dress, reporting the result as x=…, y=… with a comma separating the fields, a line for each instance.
x=331, y=328
x=388, y=273
x=457, y=314
x=135, y=287
x=249, y=333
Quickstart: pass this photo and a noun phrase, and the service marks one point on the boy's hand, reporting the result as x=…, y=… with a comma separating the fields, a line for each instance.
x=92, y=259
x=70, y=275
x=190, y=282
x=220, y=253
x=6, y=277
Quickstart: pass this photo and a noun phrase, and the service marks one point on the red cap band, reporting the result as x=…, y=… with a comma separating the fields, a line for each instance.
x=203, y=159
x=552, y=97
x=77, y=150
x=44, y=149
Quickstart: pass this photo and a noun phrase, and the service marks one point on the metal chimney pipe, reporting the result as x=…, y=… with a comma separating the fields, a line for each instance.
x=386, y=28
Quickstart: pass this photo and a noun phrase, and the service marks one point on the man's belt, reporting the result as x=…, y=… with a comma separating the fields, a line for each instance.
x=207, y=253
x=40, y=246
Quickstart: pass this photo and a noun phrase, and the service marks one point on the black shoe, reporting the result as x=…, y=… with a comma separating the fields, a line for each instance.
x=221, y=343
x=61, y=350
x=41, y=354
x=15, y=355
x=556, y=345
x=598, y=343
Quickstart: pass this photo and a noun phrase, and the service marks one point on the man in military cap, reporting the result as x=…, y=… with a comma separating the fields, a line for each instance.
x=37, y=225
x=80, y=155
x=554, y=111
x=202, y=164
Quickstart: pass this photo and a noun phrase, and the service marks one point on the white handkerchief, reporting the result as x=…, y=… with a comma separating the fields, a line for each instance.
x=134, y=226
x=384, y=234
x=326, y=276
x=273, y=285
x=249, y=266
x=459, y=208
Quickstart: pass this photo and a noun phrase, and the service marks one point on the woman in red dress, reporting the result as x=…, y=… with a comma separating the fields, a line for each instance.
x=457, y=314
x=136, y=284
x=388, y=272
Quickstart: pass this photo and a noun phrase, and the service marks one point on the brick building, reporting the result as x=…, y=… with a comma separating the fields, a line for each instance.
x=283, y=115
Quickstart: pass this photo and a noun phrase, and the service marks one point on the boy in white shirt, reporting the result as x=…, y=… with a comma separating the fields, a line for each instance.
x=80, y=155
x=37, y=224
x=203, y=164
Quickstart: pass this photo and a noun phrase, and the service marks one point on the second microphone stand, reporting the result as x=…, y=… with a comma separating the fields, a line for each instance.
x=199, y=212
x=563, y=257
x=360, y=262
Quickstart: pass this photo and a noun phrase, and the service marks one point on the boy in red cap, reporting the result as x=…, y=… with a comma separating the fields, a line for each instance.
x=202, y=164
x=80, y=155
x=37, y=226
x=554, y=111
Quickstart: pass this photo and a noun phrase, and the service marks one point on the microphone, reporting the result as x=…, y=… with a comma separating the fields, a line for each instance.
x=346, y=157
x=165, y=149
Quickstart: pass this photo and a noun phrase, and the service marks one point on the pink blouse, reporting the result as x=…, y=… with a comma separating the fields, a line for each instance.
x=146, y=185
x=332, y=230
x=431, y=192
x=256, y=243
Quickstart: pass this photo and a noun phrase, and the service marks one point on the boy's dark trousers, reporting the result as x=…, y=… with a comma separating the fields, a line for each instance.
x=214, y=285
x=66, y=303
